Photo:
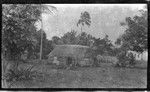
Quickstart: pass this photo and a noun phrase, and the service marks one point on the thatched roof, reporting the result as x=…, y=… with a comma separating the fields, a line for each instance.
x=76, y=51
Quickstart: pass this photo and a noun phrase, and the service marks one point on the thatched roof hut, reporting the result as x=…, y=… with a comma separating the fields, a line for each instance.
x=75, y=51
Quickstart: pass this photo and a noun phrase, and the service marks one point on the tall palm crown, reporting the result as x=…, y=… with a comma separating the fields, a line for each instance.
x=84, y=19
x=48, y=9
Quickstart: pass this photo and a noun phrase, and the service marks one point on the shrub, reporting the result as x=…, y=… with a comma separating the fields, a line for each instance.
x=14, y=75
x=131, y=58
x=106, y=59
x=125, y=59
x=122, y=59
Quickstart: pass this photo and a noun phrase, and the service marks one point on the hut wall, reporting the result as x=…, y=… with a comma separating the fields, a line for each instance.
x=76, y=52
x=61, y=59
x=50, y=59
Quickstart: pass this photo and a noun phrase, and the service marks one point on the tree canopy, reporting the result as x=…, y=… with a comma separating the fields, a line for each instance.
x=85, y=19
x=135, y=36
x=18, y=31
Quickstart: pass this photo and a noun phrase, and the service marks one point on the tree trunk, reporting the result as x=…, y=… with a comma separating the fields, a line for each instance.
x=41, y=46
x=81, y=29
x=41, y=39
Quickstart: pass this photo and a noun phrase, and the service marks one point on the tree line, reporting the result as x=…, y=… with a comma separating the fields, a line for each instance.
x=19, y=34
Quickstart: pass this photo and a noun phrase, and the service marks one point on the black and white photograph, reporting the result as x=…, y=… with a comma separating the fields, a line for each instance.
x=74, y=46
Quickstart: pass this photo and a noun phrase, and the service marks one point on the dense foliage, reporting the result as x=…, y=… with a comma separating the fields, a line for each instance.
x=99, y=45
x=134, y=38
x=19, y=32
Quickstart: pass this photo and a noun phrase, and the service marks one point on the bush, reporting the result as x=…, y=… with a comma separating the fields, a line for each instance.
x=106, y=59
x=131, y=59
x=125, y=60
x=14, y=75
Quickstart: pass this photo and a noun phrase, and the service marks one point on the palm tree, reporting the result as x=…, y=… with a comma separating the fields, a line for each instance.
x=44, y=9
x=84, y=19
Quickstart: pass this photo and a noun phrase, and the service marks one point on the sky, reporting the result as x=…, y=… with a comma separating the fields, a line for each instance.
x=105, y=19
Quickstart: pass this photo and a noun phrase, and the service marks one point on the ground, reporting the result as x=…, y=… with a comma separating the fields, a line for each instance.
x=104, y=76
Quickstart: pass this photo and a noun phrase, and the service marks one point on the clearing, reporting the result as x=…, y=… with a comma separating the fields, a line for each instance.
x=104, y=76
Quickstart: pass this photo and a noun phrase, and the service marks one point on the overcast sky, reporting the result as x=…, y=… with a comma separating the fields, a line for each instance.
x=105, y=19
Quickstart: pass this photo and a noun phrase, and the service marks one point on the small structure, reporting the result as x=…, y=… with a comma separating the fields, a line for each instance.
x=70, y=54
x=139, y=56
x=56, y=61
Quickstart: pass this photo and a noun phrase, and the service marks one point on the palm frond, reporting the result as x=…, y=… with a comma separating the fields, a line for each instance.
x=84, y=19
x=87, y=23
x=48, y=8
x=79, y=22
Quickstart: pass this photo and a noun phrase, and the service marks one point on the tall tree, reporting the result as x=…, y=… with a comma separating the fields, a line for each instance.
x=44, y=9
x=46, y=45
x=17, y=31
x=84, y=19
x=18, y=27
x=135, y=36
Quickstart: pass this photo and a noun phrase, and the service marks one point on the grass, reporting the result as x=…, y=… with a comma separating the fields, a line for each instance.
x=88, y=77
